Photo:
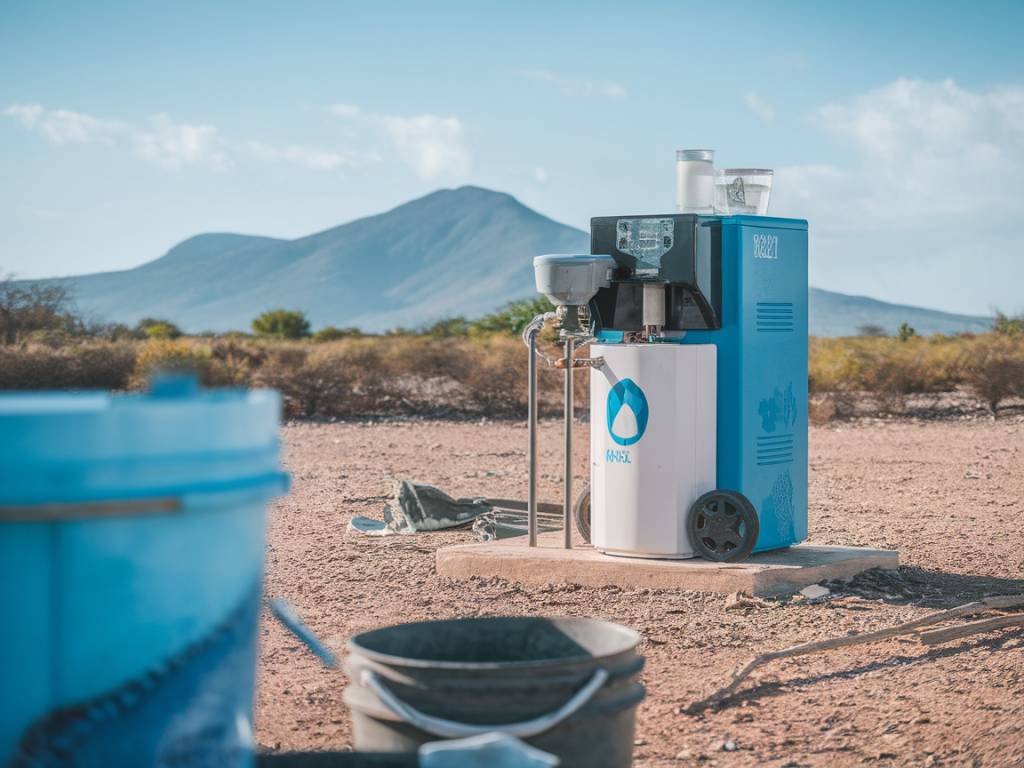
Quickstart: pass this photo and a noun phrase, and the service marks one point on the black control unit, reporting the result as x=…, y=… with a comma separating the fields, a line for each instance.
x=681, y=252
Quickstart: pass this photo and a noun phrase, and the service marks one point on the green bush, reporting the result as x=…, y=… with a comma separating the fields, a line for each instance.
x=512, y=318
x=282, y=324
x=330, y=333
x=152, y=328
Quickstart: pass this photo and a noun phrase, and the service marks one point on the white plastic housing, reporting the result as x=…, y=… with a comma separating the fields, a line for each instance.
x=570, y=279
x=641, y=489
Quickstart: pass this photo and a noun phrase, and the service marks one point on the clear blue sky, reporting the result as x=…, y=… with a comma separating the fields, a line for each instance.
x=896, y=128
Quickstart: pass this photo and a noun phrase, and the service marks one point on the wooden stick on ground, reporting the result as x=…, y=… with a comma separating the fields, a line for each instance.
x=974, y=627
x=1002, y=601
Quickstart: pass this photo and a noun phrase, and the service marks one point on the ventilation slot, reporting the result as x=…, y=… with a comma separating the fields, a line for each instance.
x=774, y=317
x=774, y=449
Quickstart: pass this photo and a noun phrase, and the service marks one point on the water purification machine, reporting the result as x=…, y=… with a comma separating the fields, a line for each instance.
x=698, y=386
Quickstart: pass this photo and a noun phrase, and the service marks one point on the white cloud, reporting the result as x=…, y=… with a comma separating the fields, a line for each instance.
x=345, y=110
x=576, y=85
x=28, y=114
x=759, y=106
x=160, y=140
x=173, y=145
x=930, y=183
x=63, y=126
x=923, y=149
x=540, y=174
x=432, y=145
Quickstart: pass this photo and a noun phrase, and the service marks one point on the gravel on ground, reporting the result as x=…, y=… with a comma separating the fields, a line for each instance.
x=948, y=495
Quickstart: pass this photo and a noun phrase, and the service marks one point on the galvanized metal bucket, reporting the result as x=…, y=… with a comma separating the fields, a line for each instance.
x=568, y=686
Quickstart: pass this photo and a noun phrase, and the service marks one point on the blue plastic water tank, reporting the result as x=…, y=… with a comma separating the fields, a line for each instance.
x=131, y=561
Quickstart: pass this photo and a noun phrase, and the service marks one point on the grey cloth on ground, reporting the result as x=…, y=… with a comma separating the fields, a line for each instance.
x=416, y=507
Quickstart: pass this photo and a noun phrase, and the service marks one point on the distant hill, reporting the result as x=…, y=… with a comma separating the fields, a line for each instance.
x=454, y=252
x=838, y=314
x=459, y=251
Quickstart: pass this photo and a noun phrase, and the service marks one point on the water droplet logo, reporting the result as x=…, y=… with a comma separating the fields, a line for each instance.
x=624, y=400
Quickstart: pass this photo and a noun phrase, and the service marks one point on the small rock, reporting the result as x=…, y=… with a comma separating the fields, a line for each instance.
x=639, y=743
x=739, y=600
x=729, y=746
x=684, y=754
x=815, y=592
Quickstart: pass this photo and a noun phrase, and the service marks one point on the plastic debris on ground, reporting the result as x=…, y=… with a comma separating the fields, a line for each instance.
x=737, y=601
x=488, y=750
x=815, y=592
x=509, y=518
x=415, y=507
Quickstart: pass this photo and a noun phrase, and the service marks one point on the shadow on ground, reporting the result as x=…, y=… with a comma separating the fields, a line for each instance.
x=929, y=589
x=777, y=687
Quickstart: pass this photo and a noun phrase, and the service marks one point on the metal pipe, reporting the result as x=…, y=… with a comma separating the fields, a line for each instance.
x=568, y=443
x=531, y=503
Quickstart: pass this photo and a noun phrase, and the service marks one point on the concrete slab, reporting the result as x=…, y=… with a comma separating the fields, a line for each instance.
x=769, y=573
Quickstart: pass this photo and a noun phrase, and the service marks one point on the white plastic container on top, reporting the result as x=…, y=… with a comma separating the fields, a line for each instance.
x=653, y=445
x=695, y=181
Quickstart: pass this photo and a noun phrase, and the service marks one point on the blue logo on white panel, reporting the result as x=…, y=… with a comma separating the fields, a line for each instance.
x=627, y=412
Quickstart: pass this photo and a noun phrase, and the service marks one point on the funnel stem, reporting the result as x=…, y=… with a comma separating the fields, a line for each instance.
x=568, y=443
x=531, y=423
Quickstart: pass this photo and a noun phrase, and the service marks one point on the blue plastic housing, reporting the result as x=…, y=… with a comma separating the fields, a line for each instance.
x=762, y=371
x=130, y=636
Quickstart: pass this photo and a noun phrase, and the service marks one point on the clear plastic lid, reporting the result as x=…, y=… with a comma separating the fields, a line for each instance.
x=707, y=155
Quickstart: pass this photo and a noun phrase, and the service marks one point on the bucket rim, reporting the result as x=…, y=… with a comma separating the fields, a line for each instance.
x=354, y=647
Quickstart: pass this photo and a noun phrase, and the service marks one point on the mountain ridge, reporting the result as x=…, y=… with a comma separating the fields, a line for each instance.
x=462, y=251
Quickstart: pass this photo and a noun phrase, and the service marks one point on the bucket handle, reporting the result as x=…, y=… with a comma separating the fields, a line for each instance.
x=449, y=729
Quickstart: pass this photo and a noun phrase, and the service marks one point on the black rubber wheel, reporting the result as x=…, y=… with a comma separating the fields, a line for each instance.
x=581, y=511
x=723, y=526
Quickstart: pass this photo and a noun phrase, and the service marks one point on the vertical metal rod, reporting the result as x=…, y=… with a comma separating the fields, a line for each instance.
x=531, y=504
x=568, y=443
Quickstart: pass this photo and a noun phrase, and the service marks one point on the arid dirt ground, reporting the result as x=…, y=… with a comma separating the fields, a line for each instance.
x=949, y=495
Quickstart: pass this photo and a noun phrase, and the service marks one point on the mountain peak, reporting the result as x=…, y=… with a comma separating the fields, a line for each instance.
x=466, y=195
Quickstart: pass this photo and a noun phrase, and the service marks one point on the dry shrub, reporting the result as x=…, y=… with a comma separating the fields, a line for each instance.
x=486, y=374
x=993, y=369
x=105, y=366
x=346, y=378
x=886, y=369
x=98, y=365
x=821, y=409
x=495, y=381
x=234, y=361
x=166, y=355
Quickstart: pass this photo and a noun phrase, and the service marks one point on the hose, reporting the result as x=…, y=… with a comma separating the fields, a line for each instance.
x=535, y=326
